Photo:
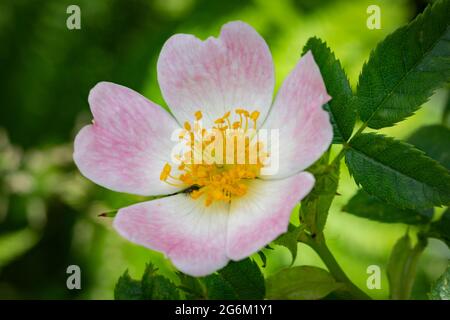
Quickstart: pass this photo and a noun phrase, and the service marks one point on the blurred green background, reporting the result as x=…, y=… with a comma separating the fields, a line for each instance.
x=49, y=212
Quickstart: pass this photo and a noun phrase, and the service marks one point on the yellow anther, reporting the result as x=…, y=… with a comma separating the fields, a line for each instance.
x=165, y=172
x=217, y=181
x=255, y=115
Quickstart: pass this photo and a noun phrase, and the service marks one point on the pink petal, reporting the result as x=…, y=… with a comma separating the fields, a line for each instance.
x=218, y=74
x=305, y=131
x=260, y=216
x=191, y=235
x=128, y=144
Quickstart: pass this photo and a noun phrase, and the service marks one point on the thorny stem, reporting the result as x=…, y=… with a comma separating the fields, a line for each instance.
x=318, y=244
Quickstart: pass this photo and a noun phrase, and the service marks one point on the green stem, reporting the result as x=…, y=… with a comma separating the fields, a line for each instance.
x=319, y=245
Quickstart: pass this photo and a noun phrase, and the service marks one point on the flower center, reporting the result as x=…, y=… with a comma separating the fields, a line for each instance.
x=218, y=162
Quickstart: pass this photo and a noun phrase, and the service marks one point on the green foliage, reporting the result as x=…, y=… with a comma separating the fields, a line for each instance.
x=128, y=288
x=441, y=288
x=301, y=283
x=290, y=240
x=401, y=268
x=151, y=287
x=238, y=280
x=370, y=207
x=315, y=206
x=441, y=229
x=245, y=278
x=434, y=140
x=397, y=173
x=340, y=108
x=405, y=68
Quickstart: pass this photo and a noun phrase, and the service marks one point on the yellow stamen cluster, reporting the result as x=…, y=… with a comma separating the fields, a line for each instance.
x=219, y=180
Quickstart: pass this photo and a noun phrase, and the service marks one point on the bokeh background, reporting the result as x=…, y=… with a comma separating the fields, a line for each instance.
x=49, y=212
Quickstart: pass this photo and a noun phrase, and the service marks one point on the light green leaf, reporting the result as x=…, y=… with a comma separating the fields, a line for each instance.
x=440, y=290
x=397, y=173
x=405, y=68
x=434, y=140
x=370, y=207
x=301, y=283
x=341, y=109
x=441, y=229
x=401, y=268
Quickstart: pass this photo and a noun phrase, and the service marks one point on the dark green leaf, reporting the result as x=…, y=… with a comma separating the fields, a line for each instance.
x=157, y=287
x=218, y=288
x=238, y=280
x=127, y=288
x=401, y=268
x=290, y=240
x=315, y=206
x=301, y=283
x=434, y=140
x=397, y=173
x=441, y=229
x=440, y=290
x=446, y=113
x=245, y=278
x=341, y=108
x=370, y=207
x=405, y=68
x=192, y=287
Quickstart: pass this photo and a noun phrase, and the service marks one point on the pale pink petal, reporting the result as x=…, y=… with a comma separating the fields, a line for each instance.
x=305, y=131
x=260, y=216
x=218, y=74
x=192, y=235
x=128, y=144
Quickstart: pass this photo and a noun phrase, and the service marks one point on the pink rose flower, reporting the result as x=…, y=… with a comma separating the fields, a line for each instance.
x=231, y=211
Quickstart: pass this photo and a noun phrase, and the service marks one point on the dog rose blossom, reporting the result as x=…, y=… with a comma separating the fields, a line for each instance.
x=213, y=213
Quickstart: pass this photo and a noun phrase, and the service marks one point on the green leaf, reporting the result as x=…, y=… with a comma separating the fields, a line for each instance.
x=245, y=278
x=446, y=113
x=315, y=206
x=157, y=287
x=218, y=288
x=238, y=280
x=290, y=240
x=192, y=287
x=127, y=288
x=151, y=287
x=301, y=283
x=370, y=207
x=434, y=140
x=340, y=108
x=397, y=173
x=441, y=228
x=401, y=268
x=405, y=68
x=440, y=290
